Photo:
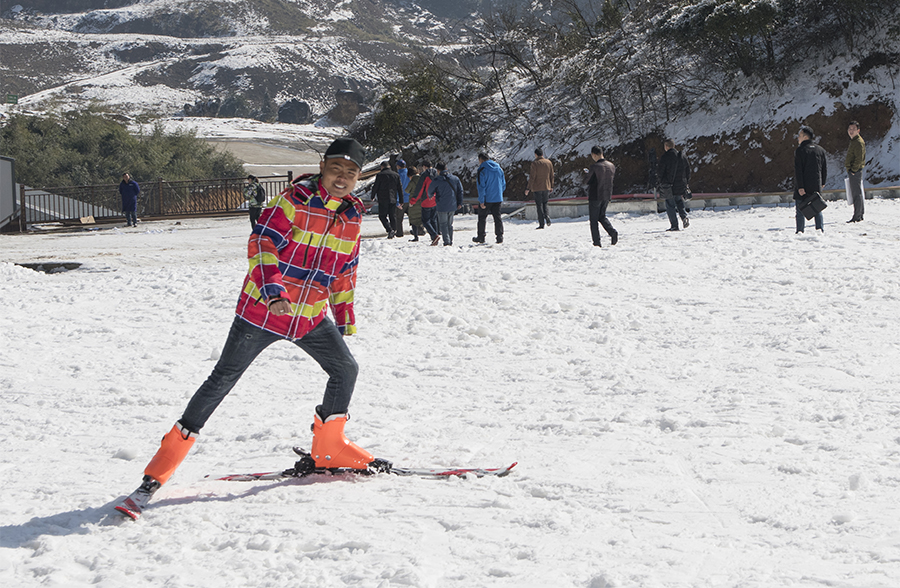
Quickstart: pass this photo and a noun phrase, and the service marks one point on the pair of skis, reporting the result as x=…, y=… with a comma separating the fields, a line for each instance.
x=133, y=505
x=306, y=466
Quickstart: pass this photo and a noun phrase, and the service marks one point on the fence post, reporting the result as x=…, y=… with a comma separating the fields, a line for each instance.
x=290, y=176
x=159, y=188
x=23, y=226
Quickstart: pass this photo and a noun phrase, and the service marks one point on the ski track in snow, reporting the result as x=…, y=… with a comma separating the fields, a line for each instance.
x=715, y=407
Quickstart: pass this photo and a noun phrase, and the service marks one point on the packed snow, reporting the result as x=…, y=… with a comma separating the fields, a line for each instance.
x=715, y=407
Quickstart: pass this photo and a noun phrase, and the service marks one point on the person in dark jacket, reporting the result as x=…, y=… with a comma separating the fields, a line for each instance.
x=810, y=173
x=668, y=174
x=389, y=191
x=682, y=176
x=599, y=179
x=129, y=191
x=448, y=194
x=413, y=209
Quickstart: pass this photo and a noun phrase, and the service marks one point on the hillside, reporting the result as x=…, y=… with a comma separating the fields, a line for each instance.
x=541, y=77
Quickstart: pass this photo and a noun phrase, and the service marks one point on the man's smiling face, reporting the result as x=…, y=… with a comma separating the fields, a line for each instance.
x=339, y=176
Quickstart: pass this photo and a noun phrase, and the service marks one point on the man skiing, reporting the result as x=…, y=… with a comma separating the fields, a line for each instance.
x=303, y=255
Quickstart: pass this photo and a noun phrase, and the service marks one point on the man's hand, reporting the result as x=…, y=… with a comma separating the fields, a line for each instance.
x=280, y=307
x=801, y=191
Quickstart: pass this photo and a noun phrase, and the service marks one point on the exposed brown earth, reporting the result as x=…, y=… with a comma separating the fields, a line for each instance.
x=754, y=159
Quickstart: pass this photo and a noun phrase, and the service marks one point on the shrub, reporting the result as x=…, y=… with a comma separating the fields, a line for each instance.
x=88, y=148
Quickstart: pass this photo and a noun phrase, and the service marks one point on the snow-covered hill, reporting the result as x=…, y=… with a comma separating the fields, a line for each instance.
x=165, y=58
x=156, y=56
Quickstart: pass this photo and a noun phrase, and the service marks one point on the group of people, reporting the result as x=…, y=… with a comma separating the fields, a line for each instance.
x=431, y=197
x=811, y=171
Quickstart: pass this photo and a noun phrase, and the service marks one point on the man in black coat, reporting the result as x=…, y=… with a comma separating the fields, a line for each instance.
x=599, y=179
x=810, y=173
x=672, y=185
x=389, y=191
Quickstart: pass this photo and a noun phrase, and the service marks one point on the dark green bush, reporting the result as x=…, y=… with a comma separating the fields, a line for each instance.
x=87, y=148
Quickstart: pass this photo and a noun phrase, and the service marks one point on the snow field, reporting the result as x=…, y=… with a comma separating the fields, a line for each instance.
x=714, y=407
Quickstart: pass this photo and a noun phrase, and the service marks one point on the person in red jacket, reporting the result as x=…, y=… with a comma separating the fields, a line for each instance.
x=303, y=255
x=427, y=202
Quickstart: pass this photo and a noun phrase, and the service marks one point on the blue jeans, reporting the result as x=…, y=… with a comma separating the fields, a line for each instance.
x=245, y=342
x=445, y=220
x=429, y=221
x=130, y=217
x=801, y=220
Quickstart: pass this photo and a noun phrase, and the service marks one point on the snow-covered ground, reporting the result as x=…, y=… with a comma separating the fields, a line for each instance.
x=716, y=407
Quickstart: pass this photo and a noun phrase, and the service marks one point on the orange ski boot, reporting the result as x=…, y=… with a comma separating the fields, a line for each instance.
x=172, y=451
x=331, y=449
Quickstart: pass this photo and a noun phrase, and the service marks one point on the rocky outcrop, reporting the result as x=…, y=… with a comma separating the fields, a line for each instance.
x=295, y=112
x=349, y=106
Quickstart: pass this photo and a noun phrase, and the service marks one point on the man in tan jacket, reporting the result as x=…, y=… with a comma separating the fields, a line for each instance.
x=540, y=183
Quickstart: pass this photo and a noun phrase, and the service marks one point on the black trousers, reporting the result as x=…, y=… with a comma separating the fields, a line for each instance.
x=255, y=211
x=386, y=214
x=493, y=209
x=597, y=216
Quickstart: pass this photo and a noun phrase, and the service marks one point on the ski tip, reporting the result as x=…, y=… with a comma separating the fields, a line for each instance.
x=131, y=514
x=509, y=469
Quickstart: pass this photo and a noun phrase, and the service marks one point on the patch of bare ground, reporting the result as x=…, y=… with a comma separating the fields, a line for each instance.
x=754, y=159
x=32, y=67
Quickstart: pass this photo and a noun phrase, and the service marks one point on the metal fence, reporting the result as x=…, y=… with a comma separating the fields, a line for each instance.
x=158, y=199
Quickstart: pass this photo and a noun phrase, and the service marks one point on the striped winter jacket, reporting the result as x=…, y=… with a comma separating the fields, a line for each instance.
x=305, y=247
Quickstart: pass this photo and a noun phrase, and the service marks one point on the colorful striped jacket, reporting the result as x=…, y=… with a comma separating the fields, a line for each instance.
x=305, y=248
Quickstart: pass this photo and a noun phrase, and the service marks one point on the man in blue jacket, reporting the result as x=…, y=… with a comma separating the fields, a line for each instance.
x=448, y=192
x=129, y=191
x=403, y=172
x=491, y=184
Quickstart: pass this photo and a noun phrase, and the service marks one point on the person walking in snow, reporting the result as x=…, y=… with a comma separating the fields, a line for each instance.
x=388, y=190
x=414, y=209
x=428, y=204
x=540, y=184
x=810, y=173
x=403, y=172
x=255, y=195
x=854, y=163
x=599, y=179
x=303, y=254
x=129, y=190
x=491, y=183
x=448, y=194
x=672, y=185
